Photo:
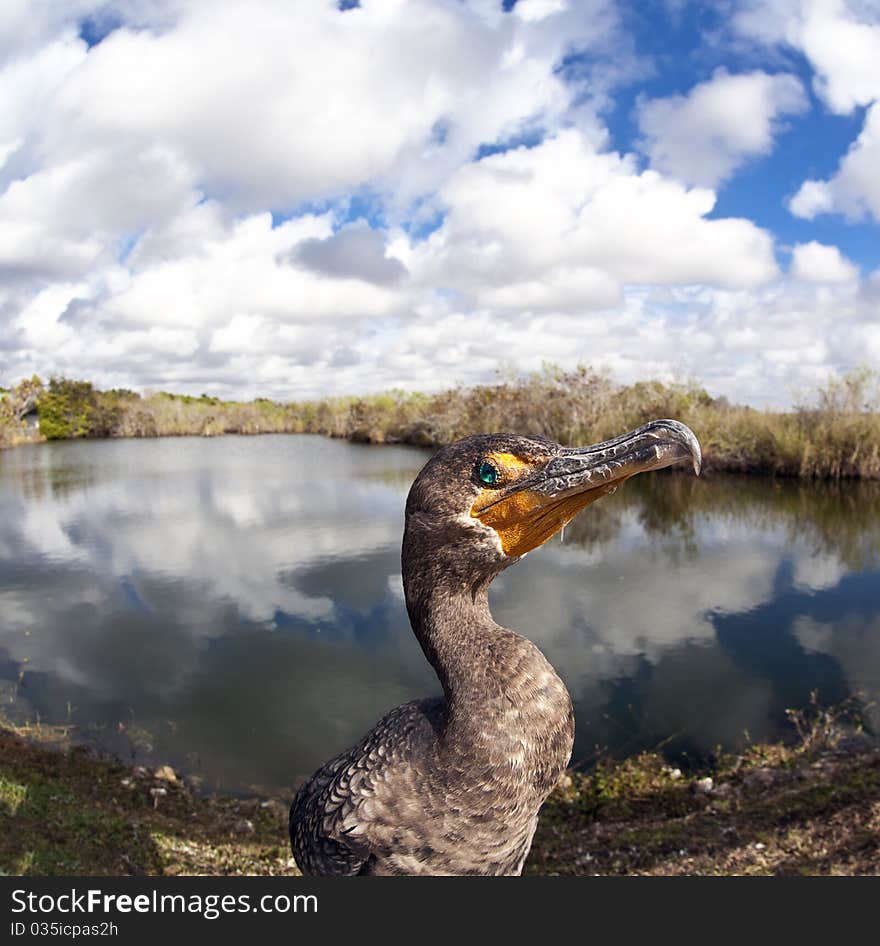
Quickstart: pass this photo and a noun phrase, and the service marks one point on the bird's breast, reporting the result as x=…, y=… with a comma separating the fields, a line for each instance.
x=515, y=743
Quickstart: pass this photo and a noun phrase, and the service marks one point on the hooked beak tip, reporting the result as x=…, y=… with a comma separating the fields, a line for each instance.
x=694, y=445
x=686, y=438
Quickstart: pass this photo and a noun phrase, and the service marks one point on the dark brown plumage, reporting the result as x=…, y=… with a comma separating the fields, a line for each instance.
x=453, y=785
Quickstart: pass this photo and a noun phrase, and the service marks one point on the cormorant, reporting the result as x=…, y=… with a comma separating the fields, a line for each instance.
x=452, y=785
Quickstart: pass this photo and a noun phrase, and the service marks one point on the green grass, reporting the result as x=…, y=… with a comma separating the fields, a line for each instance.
x=65, y=811
x=12, y=795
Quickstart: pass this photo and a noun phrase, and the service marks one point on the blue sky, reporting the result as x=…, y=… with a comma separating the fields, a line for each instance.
x=292, y=199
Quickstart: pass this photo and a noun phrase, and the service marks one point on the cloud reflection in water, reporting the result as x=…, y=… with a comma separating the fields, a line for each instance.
x=233, y=606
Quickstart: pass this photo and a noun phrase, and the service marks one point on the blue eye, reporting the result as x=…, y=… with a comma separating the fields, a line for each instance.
x=487, y=473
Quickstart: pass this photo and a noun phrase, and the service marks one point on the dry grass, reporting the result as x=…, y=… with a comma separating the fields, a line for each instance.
x=833, y=435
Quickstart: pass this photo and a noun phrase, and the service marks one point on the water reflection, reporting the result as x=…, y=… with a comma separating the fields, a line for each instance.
x=233, y=606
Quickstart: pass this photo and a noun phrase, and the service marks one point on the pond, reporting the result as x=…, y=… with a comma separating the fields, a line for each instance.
x=233, y=606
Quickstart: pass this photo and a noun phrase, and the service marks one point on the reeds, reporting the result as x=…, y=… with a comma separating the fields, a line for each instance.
x=833, y=435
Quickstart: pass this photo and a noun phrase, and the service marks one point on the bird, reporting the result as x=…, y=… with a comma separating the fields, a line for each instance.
x=452, y=785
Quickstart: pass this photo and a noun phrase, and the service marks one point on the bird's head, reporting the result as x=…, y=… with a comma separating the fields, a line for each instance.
x=491, y=498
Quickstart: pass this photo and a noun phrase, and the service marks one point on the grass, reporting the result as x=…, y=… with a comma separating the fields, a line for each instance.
x=66, y=811
x=834, y=434
x=812, y=807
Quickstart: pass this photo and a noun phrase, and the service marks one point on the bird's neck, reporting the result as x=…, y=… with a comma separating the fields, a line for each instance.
x=458, y=635
x=503, y=696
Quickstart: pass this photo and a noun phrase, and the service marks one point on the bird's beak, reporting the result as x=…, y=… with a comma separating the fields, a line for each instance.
x=529, y=512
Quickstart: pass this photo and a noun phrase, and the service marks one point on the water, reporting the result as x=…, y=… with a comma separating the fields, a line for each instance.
x=233, y=606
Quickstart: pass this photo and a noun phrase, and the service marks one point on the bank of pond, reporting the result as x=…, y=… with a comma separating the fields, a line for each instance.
x=833, y=433
x=809, y=808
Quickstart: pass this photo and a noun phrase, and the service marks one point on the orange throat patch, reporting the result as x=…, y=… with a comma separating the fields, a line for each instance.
x=526, y=519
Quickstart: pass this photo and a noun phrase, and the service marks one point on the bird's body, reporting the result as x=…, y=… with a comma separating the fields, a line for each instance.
x=453, y=785
x=427, y=793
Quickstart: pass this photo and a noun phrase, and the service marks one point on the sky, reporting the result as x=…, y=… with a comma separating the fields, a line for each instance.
x=299, y=198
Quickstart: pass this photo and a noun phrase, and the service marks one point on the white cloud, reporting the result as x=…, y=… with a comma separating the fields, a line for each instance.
x=841, y=41
x=137, y=246
x=29, y=26
x=412, y=87
x=580, y=223
x=854, y=189
x=812, y=198
x=68, y=217
x=532, y=11
x=239, y=313
x=246, y=106
x=815, y=262
x=704, y=136
x=27, y=84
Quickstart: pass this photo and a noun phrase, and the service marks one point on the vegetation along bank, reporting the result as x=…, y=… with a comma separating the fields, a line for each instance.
x=833, y=434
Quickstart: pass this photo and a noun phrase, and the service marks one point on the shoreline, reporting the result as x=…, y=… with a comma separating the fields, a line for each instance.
x=809, y=808
x=711, y=464
x=833, y=436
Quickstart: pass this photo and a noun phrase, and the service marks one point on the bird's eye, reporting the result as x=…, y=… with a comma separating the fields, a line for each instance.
x=487, y=473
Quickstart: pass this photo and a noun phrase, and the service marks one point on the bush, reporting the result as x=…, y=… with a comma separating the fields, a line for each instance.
x=70, y=409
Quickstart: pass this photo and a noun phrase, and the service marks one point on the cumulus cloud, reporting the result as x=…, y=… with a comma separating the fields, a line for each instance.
x=580, y=223
x=244, y=105
x=29, y=26
x=69, y=217
x=411, y=87
x=839, y=38
x=242, y=312
x=815, y=262
x=704, y=136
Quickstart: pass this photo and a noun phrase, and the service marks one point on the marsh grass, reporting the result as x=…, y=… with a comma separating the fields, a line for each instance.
x=834, y=434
